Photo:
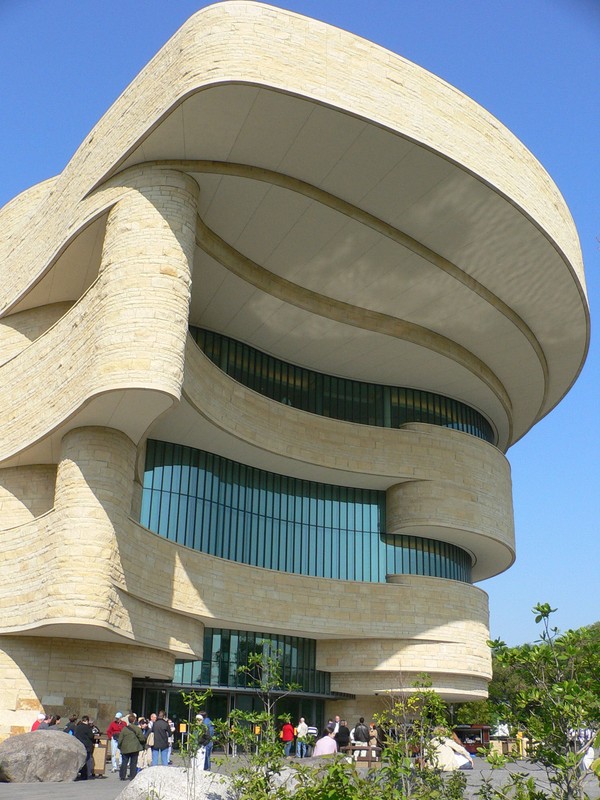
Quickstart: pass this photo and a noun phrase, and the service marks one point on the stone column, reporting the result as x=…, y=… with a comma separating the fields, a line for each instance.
x=68, y=676
x=144, y=282
x=94, y=488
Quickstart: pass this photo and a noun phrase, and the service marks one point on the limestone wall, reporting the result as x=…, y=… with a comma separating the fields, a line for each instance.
x=442, y=483
x=66, y=676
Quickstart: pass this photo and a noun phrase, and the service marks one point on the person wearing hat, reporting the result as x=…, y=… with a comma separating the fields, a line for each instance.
x=36, y=724
x=112, y=733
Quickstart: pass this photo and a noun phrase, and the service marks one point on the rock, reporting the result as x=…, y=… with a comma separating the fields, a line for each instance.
x=176, y=783
x=42, y=756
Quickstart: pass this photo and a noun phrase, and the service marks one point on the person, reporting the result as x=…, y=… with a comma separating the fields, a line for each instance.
x=71, y=725
x=210, y=731
x=54, y=724
x=202, y=739
x=301, y=743
x=326, y=745
x=145, y=755
x=85, y=734
x=160, y=746
x=336, y=723
x=171, y=725
x=112, y=733
x=360, y=732
x=131, y=740
x=313, y=732
x=45, y=723
x=287, y=737
x=374, y=742
x=447, y=754
x=342, y=735
x=360, y=735
x=40, y=718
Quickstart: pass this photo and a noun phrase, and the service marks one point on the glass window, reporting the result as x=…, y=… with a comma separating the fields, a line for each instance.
x=254, y=517
x=354, y=401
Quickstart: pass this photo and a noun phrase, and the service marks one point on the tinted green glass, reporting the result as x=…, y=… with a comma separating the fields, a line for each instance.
x=296, y=526
x=353, y=401
x=226, y=650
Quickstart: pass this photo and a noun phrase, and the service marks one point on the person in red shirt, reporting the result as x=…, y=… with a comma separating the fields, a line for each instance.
x=36, y=724
x=112, y=732
x=287, y=737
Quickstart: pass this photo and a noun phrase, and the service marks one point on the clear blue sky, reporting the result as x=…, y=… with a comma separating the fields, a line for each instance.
x=534, y=64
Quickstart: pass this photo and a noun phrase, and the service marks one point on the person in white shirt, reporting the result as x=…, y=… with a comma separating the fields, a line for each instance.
x=301, y=734
x=447, y=754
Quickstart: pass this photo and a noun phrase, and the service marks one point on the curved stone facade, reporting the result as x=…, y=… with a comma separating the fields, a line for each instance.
x=294, y=188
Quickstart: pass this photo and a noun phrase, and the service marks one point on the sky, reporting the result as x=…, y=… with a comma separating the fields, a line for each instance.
x=534, y=64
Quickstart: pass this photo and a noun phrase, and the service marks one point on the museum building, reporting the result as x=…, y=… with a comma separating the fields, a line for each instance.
x=264, y=344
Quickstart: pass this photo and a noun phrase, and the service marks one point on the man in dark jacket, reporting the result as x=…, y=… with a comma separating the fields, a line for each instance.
x=85, y=734
x=361, y=732
x=342, y=736
x=131, y=740
x=71, y=725
x=161, y=731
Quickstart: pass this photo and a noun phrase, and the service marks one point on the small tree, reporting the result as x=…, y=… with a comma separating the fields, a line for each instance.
x=263, y=672
x=408, y=724
x=197, y=732
x=557, y=703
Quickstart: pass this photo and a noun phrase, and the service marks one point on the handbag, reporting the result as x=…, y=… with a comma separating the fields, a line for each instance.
x=150, y=739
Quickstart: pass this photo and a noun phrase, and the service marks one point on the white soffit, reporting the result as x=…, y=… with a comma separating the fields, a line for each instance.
x=420, y=193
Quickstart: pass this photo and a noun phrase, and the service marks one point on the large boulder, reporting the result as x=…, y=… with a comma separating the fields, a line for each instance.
x=42, y=756
x=175, y=783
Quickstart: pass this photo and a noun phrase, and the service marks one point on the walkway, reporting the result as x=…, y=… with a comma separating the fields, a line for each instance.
x=109, y=787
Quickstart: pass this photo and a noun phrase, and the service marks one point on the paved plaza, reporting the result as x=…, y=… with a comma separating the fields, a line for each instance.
x=109, y=786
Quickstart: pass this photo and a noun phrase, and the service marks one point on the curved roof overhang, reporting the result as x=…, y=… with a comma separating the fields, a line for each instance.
x=358, y=215
x=332, y=240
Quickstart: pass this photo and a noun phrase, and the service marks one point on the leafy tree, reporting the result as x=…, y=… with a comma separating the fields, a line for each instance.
x=480, y=712
x=263, y=672
x=557, y=699
x=408, y=725
x=197, y=731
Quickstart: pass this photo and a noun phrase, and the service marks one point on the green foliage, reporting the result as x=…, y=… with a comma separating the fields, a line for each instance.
x=255, y=731
x=547, y=690
x=337, y=779
x=408, y=722
x=556, y=691
x=197, y=731
x=263, y=672
x=518, y=787
x=482, y=712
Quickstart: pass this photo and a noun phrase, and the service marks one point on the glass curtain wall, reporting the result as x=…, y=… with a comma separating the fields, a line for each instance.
x=339, y=398
x=225, y=650
x=251, y=516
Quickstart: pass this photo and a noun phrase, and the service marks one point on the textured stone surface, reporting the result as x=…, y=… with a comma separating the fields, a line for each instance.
x=175, y=783
x=87, y=372
x=42, y=756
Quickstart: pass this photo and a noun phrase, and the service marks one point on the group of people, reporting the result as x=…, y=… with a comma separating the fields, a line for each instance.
x=445, y=752
x=135, y=742
x=335, y=737
x=84, y=729
x=139, y=743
